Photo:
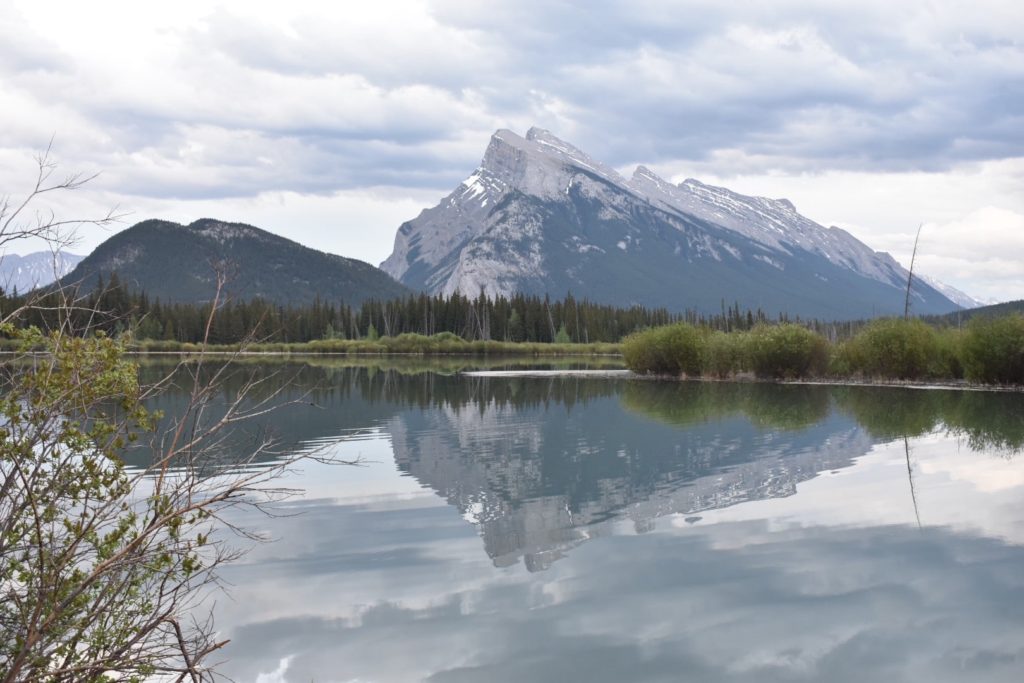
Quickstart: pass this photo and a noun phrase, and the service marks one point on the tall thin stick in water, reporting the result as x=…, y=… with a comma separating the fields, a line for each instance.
x=910, y=274
x=910, y=477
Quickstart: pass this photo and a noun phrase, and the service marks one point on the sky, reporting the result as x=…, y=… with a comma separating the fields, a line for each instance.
x=331, y=123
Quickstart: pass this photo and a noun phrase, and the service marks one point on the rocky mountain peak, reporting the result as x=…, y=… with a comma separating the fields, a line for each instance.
x=550, y=144
x=644, y=172
x=647, y=182
x=568, y=154
x=507, y=157
x=540, y=215
x=540, y=163
x=536, y=132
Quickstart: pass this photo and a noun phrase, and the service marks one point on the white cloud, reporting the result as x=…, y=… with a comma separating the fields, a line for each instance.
x=982, y=249
x=867, y=115
x=278, y=674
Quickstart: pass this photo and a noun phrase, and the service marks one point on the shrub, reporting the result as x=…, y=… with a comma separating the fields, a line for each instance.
x=948, y=359
x=786, y=351
x=843, y=360
x=723, y=354
x=638, y=351
x=993, y=350
x=894, y=348
x=448, y=337
x=668, y=350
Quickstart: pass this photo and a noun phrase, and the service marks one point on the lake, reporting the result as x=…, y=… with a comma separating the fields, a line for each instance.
x=601, y=528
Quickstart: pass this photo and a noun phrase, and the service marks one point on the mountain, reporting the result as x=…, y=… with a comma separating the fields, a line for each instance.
x=539, y=216
x=25, y=273
x=961, y=299
x=959, y=318
x=175, y=262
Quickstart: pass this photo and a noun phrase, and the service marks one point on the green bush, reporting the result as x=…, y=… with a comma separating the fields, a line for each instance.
x=669, y=350
x=993, y=350
x=894, y=349
x=723, y=354
x=638, y=351
x=786, y=351
x=948, y=360
x=448, y=337
x=843, y=360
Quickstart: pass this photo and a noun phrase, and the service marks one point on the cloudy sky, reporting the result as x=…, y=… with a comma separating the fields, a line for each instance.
x=331, y=123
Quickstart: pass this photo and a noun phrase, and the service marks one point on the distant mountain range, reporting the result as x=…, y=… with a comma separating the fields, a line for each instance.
x=25, y=273
x=175, y=263
x=540, y=216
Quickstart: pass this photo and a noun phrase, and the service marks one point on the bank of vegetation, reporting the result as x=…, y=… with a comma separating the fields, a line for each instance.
x=980, y=346
x=405, y=322
x=441, y=344
x=115, y=309
x=986, y=351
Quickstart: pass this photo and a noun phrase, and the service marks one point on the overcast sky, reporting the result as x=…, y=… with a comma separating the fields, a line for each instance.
x=331, y=123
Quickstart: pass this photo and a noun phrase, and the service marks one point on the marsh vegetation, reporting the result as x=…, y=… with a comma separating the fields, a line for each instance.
x=987, y=351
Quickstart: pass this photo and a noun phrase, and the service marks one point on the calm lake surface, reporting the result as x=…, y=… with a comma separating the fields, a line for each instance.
x=585, y=528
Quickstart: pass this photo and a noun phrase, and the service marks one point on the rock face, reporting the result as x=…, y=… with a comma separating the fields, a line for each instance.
x=176, y=263
x=540, y=216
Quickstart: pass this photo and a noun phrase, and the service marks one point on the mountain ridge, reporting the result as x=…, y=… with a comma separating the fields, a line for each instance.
x=162, y=259
x=540, y=216
x=38, y=269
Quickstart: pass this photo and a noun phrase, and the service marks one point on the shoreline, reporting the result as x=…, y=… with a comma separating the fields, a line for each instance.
x=625, y=373
x=609, y=373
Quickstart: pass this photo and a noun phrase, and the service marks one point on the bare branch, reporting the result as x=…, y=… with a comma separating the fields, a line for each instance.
x=104, y=567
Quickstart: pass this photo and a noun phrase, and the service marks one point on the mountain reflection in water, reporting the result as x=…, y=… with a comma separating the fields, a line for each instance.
x=541, y=464
x=740, y=532
x=540, y=479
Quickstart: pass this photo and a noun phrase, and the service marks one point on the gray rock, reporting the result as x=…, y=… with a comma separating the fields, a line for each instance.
x=539, y=216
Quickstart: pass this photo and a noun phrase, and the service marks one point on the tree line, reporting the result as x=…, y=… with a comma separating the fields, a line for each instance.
x=516, y=318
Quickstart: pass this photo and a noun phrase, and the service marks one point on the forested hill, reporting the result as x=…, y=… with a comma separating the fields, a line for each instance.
x=177, y=263
x=992, y=311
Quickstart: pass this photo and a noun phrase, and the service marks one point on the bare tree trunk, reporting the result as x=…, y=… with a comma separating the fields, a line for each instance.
x=910, y=274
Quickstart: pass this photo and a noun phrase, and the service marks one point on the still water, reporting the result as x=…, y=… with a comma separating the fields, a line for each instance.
x=582, y=528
